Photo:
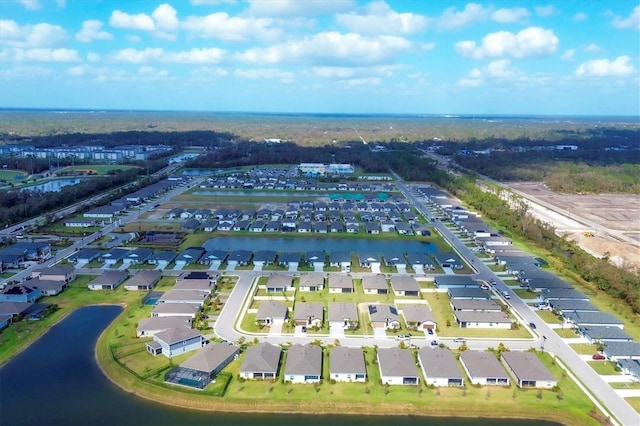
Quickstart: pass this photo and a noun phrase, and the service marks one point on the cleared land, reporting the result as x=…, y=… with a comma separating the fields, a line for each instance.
x=611, y=219
x=92, y=169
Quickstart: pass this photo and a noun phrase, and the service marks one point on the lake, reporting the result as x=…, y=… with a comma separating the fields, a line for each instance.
x=306, y=244
x=53, y=185
x=56, y=381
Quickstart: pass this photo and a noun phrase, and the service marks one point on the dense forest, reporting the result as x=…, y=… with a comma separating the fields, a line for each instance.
x=603, y=161
x=18, y=205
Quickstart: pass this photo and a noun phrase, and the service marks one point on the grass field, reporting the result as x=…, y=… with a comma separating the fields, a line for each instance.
x=10, y=175
x=95, y=169
x=604, y=368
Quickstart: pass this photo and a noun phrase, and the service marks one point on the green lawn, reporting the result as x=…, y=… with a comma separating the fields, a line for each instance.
x=604, y=368
x=566, y=333
x=96, y=169
x=10, y=175
x=625, y=385
x=525, y=294
x=549, y=317
x=584, y=348
x=634, y=402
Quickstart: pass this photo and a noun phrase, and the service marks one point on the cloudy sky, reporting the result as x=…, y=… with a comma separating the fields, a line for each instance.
x=344, y=56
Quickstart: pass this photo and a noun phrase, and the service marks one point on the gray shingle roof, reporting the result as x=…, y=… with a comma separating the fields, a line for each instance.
x=343, y=360
x=439, y=363
x=304, y=359
x=271, y=310
x=211, y=357
x=527, y=367
x=262, y=358
x=404, y=283
x=178, y=334
x=396, y=362
x=339, y=311
x=417, y=313
x=482, y=364
x=374, y=282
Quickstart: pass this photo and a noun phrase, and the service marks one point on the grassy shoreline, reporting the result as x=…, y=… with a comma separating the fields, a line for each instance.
x=423, y=404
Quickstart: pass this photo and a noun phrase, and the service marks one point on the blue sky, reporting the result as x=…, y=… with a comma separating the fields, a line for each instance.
x=323, y=56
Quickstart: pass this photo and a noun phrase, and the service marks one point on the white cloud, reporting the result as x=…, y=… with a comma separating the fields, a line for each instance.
x=631, y=22
x=546, y=10
x=265, y=74
x=91, y=30
x=93, y=57
x=32, y=36
x=501, y=72
x=620, y=67
x=31, y=4
x=193, y=56
x=452, y=19
x=530, y=42
x=148, y=71
x=208, y=73
x=140, y=21
x=379, y=18
x=506, y=16
x=61, y=3
x=224, y=27
x=209, y=2
x=330, y=49
x=166, y=21
x=42, y=55
x=134, y=38
x=580, y=16
x=568, y=55
x=163, y=22
x=592, y=48
x=346, y=73
x=299, y=8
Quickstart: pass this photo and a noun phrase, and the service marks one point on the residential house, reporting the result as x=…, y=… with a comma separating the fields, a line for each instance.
x=189, y=256
x=138, y=256
x=439, y=367
x=581, y=319
x=84, y=256
x=175, y=341
x=616, y=351
x=114, y=256
x=347, y=365
x=449, y=260
x=239, y=258
x=343, y=315
x=483, y=368
x=49, y=287
x=405, y=285
x=264, y=258
x=202, y=368
x=214, y=257
x=601, y=334
x=482, y=319
x=317, y=259
x=184, y=296
x=384, y=316
x=143, y=280
x=271, y=312
x=340, y=283
x=188, y=310
x=150, y=326
x=468, y=293
x=418, y=316
x=340, y=259
x=210, y=225
x=289, y=259
x=375, y=284
x=303, y=364
x=311, y=282
x=308, y=314
x=455, y=281
x=261, y=361
x=528, y=370
x=56, y=273
x=162, y=258
x=397, y=367
x=279, y=283
x=20, y=293
x=486, y=305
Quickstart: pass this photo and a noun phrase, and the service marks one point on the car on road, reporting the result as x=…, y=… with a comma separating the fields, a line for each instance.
x=403, y=337
x=506, y=295
x=459, y=340
x=493, y=282
x=599, y=357
x=532, y=325
x=434, y=343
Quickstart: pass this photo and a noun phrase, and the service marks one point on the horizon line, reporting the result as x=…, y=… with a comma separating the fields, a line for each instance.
x=305, y=113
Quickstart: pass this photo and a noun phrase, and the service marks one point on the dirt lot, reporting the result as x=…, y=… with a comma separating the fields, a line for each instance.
x=612, y=219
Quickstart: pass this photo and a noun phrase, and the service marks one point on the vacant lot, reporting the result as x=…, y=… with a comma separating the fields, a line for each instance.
x=611, y=219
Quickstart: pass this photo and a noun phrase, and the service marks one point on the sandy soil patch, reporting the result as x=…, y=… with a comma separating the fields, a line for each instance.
x=612, y=219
